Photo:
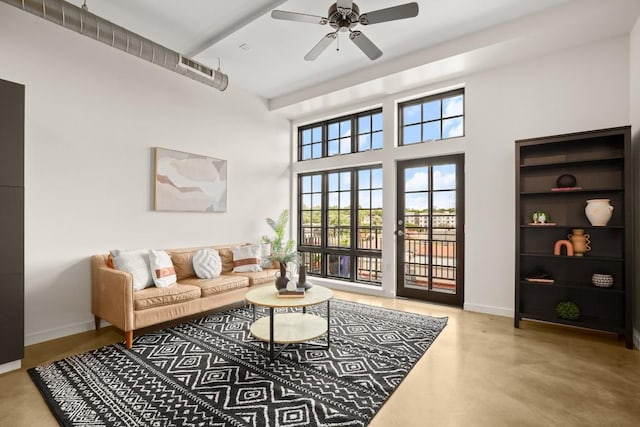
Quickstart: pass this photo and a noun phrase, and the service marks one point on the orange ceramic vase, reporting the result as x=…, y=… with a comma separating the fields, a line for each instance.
x=581, y=242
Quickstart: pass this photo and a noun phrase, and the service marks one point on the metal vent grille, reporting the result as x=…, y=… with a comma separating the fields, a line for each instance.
x=196, y=66
x=86, y=23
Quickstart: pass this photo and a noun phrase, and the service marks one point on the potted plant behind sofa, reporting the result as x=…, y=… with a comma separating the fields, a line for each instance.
x=282, y=252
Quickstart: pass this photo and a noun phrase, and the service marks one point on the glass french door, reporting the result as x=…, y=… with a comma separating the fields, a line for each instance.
x=430, y=229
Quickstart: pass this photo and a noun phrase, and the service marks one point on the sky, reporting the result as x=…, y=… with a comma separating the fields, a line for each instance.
x=417, y=183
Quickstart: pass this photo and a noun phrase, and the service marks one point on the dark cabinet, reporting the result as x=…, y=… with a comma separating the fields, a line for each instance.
x=601, y=163
x=11, y=221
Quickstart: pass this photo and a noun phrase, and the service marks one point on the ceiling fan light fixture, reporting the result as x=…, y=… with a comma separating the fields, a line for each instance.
x=343, y=16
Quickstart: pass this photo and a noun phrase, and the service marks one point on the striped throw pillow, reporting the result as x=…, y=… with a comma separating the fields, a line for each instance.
x=246, y=259
x=162, y=270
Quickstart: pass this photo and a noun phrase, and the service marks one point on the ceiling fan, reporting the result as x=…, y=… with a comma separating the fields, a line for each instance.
x=343, y=16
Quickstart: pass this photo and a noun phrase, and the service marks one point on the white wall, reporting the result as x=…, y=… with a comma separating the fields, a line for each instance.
x=575, y=90
x=634, y=90
x=93, y=114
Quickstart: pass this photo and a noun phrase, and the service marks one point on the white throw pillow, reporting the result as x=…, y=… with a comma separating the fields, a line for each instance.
x=135, y=263
x=265, y=251
x=162, y=270
x=246, y=259
x=207, y=263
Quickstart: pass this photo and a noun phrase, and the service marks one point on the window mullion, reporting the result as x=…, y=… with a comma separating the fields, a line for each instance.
x=421, y=122
x=354, y=134
x=325, y=140
x=325, y=222
x=354, y=222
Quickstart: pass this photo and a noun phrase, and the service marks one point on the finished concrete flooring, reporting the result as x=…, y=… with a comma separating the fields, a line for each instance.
x=480, y=371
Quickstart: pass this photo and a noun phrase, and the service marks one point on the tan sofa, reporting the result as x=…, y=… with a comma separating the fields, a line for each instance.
x=114, y=300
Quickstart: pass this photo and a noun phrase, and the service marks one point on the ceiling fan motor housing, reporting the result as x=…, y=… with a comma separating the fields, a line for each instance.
x=346, y=21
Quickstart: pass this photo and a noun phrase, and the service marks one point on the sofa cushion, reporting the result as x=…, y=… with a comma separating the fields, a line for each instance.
x=227, y=259
x=182, y=264
x=162, y=270
x=135, y=263
x=265, y=252
x=217, y=285
x=206, y=263
x=258, y=277
x=156, y=297
x=246, y=258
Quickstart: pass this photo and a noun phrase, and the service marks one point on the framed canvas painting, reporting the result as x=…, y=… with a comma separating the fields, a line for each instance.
x=189, y=182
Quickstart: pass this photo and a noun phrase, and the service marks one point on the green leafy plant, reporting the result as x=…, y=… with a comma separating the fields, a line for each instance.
x=568, y=310
x=282, y=251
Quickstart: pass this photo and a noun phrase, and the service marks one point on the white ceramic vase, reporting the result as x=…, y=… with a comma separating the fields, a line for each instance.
x=598, y=212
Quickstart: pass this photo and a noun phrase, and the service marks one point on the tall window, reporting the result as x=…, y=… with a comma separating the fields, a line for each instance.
x=349, y=134
x=340, y=224
x=432, y=118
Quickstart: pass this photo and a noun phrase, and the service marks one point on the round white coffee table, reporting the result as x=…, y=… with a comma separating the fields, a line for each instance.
x=291, y=327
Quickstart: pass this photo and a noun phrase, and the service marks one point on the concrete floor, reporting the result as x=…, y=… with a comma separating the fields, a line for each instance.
x=480, y=371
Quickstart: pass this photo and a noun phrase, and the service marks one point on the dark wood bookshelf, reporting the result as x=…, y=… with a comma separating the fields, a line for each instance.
x=601, y=161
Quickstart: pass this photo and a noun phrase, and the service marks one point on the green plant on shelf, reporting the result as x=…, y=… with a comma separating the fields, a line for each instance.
x=568, y=310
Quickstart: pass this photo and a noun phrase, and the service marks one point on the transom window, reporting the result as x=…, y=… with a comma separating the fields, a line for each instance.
x=340, y=224
x=344, y=135
x=432, y=118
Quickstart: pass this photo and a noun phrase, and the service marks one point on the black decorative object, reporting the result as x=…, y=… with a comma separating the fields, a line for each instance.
x=302, y=278
x=568, y=310
x=566, y=180
x=281, y=277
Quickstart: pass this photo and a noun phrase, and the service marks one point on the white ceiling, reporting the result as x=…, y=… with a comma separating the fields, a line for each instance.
x=430, y=46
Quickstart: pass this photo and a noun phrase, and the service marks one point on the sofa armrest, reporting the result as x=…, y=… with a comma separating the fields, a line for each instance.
x=115, y=305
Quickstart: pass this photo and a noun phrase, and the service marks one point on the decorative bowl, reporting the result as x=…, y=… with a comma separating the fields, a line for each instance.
x=566, y=180
x=602, y=280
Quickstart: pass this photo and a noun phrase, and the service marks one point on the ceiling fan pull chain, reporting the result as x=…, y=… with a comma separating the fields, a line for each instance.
x=338, y=42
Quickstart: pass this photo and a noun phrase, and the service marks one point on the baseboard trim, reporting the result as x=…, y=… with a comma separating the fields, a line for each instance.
x=353, y=287
x=64, y=331
x=488, y=309
x=10, y=366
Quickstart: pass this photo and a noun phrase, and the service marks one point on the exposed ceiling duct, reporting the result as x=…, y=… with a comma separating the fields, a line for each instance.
x=86, y=23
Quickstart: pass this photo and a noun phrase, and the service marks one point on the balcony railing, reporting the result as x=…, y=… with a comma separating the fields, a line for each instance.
x=435, y=258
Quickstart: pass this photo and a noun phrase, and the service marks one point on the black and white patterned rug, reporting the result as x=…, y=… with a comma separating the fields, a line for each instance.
x=212, y=372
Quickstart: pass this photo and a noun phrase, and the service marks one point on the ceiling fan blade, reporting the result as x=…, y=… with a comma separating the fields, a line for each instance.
x=402, y=11
x=320, y=47
x=365, y=45
x=298, y=17
x=345, y=4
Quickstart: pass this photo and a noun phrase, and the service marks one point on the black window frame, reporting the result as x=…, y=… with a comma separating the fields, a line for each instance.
x=354, y=120
x=440, y=119
x=324, y=250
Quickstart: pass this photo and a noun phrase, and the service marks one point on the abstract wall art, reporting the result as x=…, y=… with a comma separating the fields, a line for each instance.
x=189, y=182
